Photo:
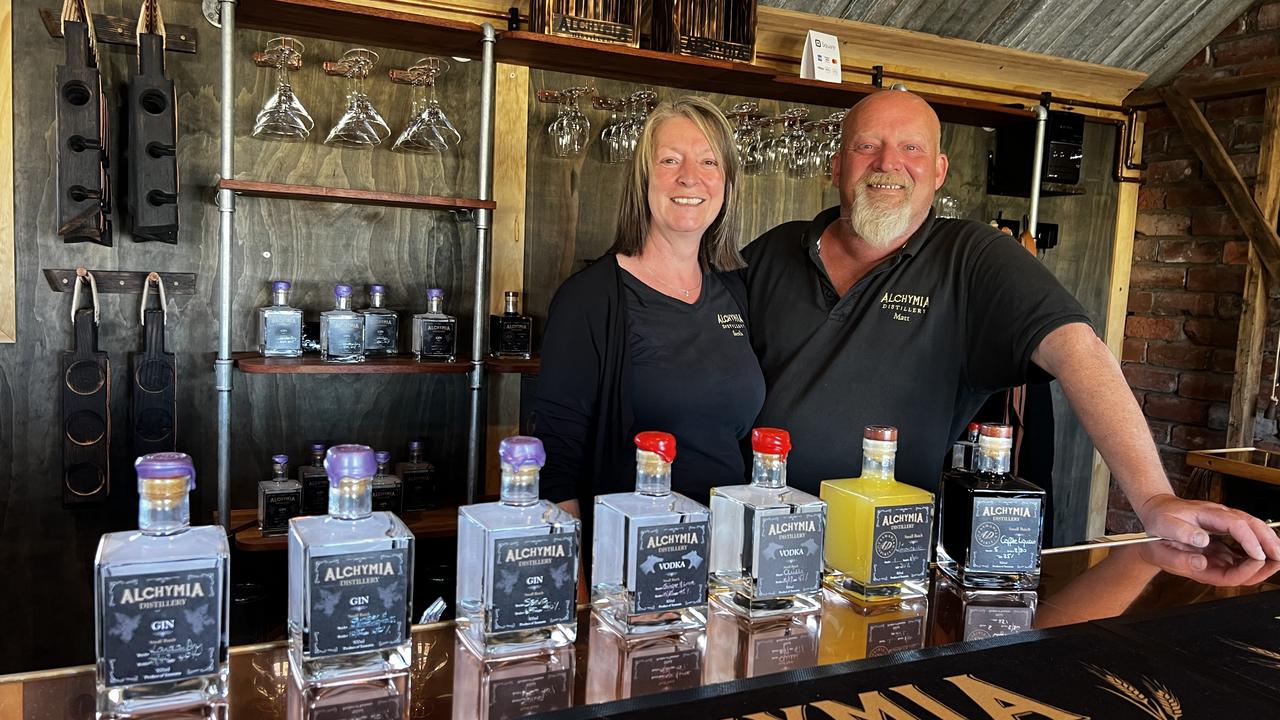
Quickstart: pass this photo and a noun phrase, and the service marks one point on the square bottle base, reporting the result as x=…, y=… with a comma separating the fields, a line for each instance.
x=370, y=664
x=615, y=614
x=736, y=602
x=989, y=580
x=198, y=697
x=854, y=589
x=515, y=643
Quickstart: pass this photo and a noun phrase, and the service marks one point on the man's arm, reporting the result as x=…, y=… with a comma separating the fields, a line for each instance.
x=1092, y=381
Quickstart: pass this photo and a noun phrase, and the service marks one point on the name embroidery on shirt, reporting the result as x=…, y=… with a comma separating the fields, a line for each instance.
x=733, y=323
x=904, y=306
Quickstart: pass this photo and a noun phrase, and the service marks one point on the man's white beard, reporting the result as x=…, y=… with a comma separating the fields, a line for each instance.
x=880, y=221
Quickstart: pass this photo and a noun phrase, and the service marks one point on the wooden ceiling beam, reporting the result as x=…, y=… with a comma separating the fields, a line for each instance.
x=1213, y=89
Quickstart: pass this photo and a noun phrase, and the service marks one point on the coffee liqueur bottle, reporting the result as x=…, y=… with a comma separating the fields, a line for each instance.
x=878, y=529
x=161, y=601
x=511, y=334
x=350, y=580
x=279, y=325
x=417, y=477
x=435, y=334
x=517, y=563
x=315, y=483
x=381, y=325
x=279, y=498
x=388, y=493
x=650, y=550
x=766, y=538
x=962, y=614
x=341, y=330
x=991, y=521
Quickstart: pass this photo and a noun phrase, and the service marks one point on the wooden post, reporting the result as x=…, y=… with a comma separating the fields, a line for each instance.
x=8, y=283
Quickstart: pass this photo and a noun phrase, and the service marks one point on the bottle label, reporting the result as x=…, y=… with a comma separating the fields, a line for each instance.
x=366, y=709
x=981, y=622
x=790, y=560
x=438, y=339
x=345, y=336
x=380, y=333
x=530, y=694
x=535, y=581
x=666, y=672
x=161, y=626
x=513, y=334
x=1006, y=535
x=780, y=654
x=280, y=505
x=900, y=549
x=419, y=489
x=388, y=497
x=283, y=334
x=359, y=602
x=886, y=638
x=670, y=567
x=315, y=493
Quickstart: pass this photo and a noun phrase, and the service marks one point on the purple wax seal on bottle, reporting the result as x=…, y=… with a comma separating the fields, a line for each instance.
x=415, y=444
x=435, y=294
x=280, y=286
x=342, y=291
x=383, y=457
x=280, y=459
x=351, y=461
x=165, y=466
x=520, y=452
x=317, y=448
x=377, y=289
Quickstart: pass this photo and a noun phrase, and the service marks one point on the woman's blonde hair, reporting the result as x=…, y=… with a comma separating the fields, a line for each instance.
x=719, y=248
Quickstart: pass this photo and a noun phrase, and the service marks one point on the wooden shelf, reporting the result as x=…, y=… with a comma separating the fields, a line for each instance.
x=440, y=523
x=523, y=367
x=320, y=193
x=356, y=24
x=252, y=362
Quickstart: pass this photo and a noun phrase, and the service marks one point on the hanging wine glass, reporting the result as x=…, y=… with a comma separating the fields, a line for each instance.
x=570, y=131
x=746, y=133
x=282, y=117
x=361, y=125
x=429, y=129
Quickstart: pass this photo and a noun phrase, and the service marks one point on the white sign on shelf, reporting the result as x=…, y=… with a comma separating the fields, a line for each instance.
x=821, y=59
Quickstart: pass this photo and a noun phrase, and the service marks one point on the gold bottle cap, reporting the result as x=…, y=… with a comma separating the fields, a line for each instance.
x=994, y=430
x=882, y=433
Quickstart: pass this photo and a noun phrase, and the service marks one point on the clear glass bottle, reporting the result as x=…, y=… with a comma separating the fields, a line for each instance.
x=991, y=521
x=381, y=325
x=162, y=600
x=650, y=550
x=511, y=334
x=350, y=580
x=766, y=538
x=383, y=698
x=748, y=647
x=962, y=451
x=279, y=498
x=388, y=494
x=878, y=529
x=511, y=687
x=961, y=614
x=621, y=667
x=435, y=334
x=417, y=477
x=315, y=483
x=517, y=563
x=342, y=330
x=279, y=325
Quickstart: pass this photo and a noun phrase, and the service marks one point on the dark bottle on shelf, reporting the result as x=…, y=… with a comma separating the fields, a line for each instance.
x=417, y=478
x=511, y=334
x=388, y=493
x=279, y=498
x=991, y=520
x=315, y=483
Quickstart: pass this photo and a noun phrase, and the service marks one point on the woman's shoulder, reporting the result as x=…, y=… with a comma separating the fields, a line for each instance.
x=590, y=285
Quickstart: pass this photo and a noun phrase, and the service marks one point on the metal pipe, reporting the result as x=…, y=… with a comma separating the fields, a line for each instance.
x=475, y=434
x=226, y=235
x=1037, y=167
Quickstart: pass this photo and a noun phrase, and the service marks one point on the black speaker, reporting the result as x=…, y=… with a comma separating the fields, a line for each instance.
x=84, y=194
x=151, y=139
x=1009, y=167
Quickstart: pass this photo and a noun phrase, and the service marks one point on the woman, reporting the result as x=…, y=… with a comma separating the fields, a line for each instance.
x=653, y=335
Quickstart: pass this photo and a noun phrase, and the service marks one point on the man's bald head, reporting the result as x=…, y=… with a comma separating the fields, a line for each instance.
x=895, y=102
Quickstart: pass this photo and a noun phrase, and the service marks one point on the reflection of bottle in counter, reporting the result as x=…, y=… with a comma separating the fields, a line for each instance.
x=383, y=697
x=853, y=631
x=742, y=647
x=504, y=689
x=624, y=667
x=961, y=613
x=878, y=529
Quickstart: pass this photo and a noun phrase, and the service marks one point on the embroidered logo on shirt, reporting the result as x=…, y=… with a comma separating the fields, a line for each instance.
x=904, y=306
x=733, y=323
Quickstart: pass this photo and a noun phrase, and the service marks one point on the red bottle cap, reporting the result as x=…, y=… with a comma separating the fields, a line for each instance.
x=997, y=431
x=771, y=441
x=883, y=433
x=973, y=427
x=660, y=443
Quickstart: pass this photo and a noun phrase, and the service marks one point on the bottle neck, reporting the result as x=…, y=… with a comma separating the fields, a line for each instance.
x=342, y=303
x=164, y=507
x=769, y=471
x=993, y=456
x=519, y=487
x=382, y=469
x=878, y=459
x=510, y=305
x=280, y=297
x=377, y=300
x=281, y=472
x=653, y=474
x=435, y=305
x=317, y=460
x=415, y=455
x=351, y=499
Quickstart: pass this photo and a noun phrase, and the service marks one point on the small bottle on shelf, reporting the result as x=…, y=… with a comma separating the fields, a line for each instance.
x=517, y=563
x=435, y=334
x=341, y=330
x=417, y=477
x=962, y=451
x=388, y=494
x=991, y=521
x=650, y=550
x=511, y=334
x=381, y=325
x=315, y=483
x=878, y=529
x=279, y=325
x=161, y=601
x=766, y=538
x=279, y=498
x=350, y=580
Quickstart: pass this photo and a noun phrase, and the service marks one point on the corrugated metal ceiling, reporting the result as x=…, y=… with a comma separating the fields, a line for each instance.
x=1157, y=37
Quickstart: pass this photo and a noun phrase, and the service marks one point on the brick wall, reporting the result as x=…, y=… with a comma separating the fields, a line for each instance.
x=1188, y=262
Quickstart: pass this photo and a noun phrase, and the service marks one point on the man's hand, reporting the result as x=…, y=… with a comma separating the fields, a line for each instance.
x=1190, y=522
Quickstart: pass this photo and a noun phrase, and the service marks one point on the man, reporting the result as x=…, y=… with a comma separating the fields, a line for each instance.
x=876, y=312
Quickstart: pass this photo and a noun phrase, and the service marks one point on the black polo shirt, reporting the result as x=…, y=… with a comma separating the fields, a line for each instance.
x=919, y=343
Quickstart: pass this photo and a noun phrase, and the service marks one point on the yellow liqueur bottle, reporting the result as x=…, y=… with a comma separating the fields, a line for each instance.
x=878, y=529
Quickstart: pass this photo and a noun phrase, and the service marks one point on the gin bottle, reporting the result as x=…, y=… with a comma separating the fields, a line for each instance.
x=511, y=334
x=766, y=538
x=161, y=600
x=387, y=492
x=350, y=580
x=342, y=330
x=649, y=554
x=517, y=563
x=417, y=477
x=315, y=483
x=878, y=536
x=381, y=325
x=991, y=521
x=279, y=498
x=279, y=325
x=435, y=335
